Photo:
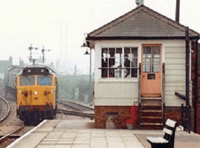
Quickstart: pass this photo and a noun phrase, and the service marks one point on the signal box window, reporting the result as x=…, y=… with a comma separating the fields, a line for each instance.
x=44, y=80
x=119, y=62
x=151, y=59
x=27, y=80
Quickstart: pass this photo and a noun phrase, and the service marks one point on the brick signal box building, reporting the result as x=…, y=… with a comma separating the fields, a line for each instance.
x=140, y=71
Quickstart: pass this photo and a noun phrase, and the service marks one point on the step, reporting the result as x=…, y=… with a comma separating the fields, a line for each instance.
x=152, y=120
x=151, y=113
x=144, y=104
x=155, y=114
x=151, y=117
x=157, y=124
x=151, y=110
x=150, y=98
x=151, y=95
x=155, y=101
x=151, y=126
x=151, y=107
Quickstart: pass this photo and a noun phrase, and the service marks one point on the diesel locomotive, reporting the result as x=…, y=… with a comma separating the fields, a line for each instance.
x=35, y=89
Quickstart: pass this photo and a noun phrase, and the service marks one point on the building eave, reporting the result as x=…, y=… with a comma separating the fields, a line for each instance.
x=142, y=38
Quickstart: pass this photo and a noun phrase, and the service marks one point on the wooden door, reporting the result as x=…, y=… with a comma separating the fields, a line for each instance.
x=151, y=71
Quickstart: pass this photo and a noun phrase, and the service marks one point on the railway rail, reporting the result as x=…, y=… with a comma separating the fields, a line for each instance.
x=69, y=106
x=8, y=109
x=76, y=106
x=10, y=137
x=76, y=113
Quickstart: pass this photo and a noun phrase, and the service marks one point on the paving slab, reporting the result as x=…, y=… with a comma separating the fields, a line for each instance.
x=82, y=134
x=75, y=134
x=182, y=139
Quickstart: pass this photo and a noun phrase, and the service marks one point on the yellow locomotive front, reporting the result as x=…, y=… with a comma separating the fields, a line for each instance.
x=36, y=94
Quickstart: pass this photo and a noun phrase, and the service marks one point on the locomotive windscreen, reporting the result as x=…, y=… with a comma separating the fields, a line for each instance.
x=35, y=71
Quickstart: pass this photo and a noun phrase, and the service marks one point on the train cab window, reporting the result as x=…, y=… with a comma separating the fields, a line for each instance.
x=44, y=80
x=27, y=80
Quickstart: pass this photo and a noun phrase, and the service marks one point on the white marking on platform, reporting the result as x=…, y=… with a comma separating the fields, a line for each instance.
x=15, y=142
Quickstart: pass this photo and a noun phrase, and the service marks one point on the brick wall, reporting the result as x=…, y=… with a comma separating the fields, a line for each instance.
x=197, y=123
x=198, y=118
x=192, y=119
x=173, y=113
x=124, y=116
x=120, y=121
x=195, y=101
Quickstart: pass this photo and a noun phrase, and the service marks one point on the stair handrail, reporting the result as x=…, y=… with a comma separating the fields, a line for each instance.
x=139, y=93
x=163, y=83
x=139, y=84
x=163, y=92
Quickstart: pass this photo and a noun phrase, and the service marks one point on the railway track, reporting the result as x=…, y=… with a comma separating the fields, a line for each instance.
x=76, y=109
x=6, y=114
x=5, y=140
x=76, y=106
x=76, y=113
x=69, y=106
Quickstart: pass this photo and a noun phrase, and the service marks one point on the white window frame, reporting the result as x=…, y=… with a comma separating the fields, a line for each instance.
x=123, y=68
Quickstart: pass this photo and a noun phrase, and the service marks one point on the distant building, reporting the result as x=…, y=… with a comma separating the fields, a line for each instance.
x=4, y=64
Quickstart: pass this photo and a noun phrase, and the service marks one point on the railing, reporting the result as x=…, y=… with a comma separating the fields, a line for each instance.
x=163, y=91
x=163, y=84
x=139, y=84
x=185, y=116
x=185, y=113
x=139, y=93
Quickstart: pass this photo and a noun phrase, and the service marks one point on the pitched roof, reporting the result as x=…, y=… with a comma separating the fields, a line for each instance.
x=141, y=23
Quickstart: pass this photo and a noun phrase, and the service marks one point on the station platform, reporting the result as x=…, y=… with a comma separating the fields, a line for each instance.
x=75, y=134
x=82, y=134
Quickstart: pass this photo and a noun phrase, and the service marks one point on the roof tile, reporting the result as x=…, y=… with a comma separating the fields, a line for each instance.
x=141, y=22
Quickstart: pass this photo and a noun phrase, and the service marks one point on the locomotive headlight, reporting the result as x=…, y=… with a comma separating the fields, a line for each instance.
x=35, y=92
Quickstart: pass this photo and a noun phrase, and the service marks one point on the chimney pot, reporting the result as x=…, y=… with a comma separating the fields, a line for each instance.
x=139, y=2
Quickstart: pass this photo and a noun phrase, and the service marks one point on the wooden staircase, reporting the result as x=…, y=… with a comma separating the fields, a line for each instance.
x=151, y=113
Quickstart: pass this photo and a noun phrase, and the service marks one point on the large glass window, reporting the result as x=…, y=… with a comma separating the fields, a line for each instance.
x=27, y=80
x=119, y=62
x=44, y=80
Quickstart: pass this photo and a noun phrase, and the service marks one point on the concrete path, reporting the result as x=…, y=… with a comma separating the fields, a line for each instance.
x=182, y=139
x=81, y=134
x=76, y=134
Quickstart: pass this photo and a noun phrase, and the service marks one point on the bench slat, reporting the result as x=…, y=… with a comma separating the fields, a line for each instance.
x=169, y=132
x=170, y=123
x=156, y=140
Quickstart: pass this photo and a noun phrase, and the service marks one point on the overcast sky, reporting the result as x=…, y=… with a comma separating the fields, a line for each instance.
x=61, y=25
